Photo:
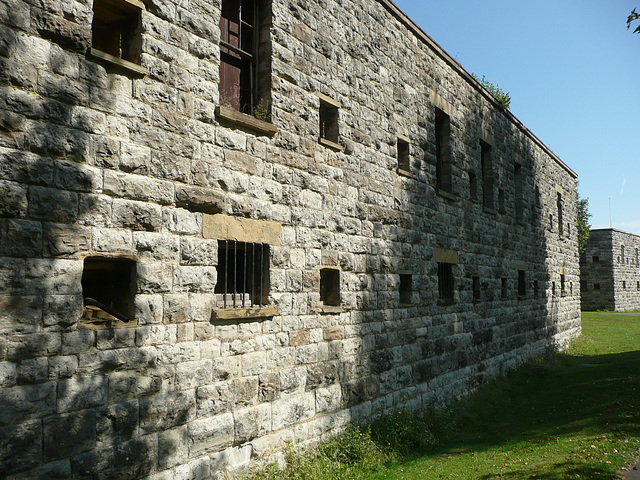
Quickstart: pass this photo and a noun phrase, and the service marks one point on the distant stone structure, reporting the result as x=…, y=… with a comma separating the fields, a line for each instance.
x=610, y=271
x=227, y=225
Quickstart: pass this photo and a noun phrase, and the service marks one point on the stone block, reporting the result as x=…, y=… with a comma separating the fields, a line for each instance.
x=156, y=247
x=179, y=220
x=148, y=308
x=22, y=347
x=20, y=238
x=59, y=470
x=165, y=411
x=25, y=401
x=293, y=409
x=62, y=367
x=137, y=187
x=213, y=399
x=81, y=392
x=199, y=199
x=199, y=469
x=116, y=423
x=20, y=314
x=193, y=374
x=244, y=391
x=124, y=385
x=198, y=251
x=173, y=447
x=252, y=422
x=69, y=434
x=62, y=311
x=210, y=434
x=53, y=205
x=194, y=279
x=32, y=370
x=13, y=202
x=156, y=335
x=66, y=240
x=178, y=353
x=328, y=399
x=115, y=338
x=231, y=459
x=76, y=177
x=77, y=342
x=154, y=277
x=176, y=308
x=110, y=240
x=20, y=447
x=136, y=215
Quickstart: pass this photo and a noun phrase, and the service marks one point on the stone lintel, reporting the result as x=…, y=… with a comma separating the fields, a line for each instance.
x=521, y=265
x=441, y=103
x=240, y=313
x=328, y=100
x=487, y=137
x=226, y=227
x=445, y=255
x=404, y=138
x=559, y=189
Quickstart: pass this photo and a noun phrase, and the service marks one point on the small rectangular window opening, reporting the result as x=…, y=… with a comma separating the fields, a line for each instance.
x=330, y=286
x=445, y=281
x=116, y=28
x=522, y=283
x=595, y=259
x=596, y=286
x=112, y=283
x=243, y=274
x=406, y=288
x=329, y=122
x=444, y=174
x=624, y=285
x=638, y=286
x=476, y=288
x=622, y=253
x=536, y=289
x=503, y=288
x=562, y=284
x=501, y=207
x=403, y=155
x=559, y=203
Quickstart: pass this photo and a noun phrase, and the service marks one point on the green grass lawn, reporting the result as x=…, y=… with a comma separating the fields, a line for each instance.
x=570, y=415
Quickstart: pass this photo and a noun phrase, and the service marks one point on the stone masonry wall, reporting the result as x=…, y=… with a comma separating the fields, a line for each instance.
x=103, y=162
x=610, y=277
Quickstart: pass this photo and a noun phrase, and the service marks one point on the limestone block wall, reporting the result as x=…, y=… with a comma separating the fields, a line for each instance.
x=610, y=272
x=131, y=178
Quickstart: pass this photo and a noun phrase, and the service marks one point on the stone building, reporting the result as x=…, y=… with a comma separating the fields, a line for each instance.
x=231, y=224
x=610, y=271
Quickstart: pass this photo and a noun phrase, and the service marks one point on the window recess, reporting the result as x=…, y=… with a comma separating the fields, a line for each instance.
x=116, y=33
x=445, y=282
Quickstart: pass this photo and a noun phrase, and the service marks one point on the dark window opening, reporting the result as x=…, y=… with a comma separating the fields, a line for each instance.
x=243, y=274
x=637, y=258
x=504, y=292
x=445, y=281
x=476, y=288
x=329, y=122
x=553, y=288
x=518, y=178
x=562, y=284
x=596, y=286
x=487, y=175
x=595, y=259
x=624, y=285
x=406, y=288
x=536, y=289
x=444, y=174
x=559, y=204
x=116, y=28
x=501, y=207
x=522, y=283
x=403, y=155
x=245, y=82
x=638, y=286
x=622, y=253
x=584, y=286
x=330, y=286
x=551, y=221
x=473, y=186
x=112, y=283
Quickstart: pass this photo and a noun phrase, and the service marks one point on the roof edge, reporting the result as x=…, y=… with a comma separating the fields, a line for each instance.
x=422, y=35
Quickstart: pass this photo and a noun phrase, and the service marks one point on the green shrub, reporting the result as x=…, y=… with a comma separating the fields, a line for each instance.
x=402, y=432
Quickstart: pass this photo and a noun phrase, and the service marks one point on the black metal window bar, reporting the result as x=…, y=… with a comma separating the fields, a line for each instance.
x=445, y=281
x=242, y=273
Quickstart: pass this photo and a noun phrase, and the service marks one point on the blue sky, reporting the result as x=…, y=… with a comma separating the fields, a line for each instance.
x=573, y=72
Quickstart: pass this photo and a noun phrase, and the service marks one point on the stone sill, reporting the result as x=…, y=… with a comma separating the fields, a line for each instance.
x=404, y=173
x=94, y=318
x=445, y=301
x=117, y=62
x=332, y=145
x=242, y=313
x=490, y=211
x=331, y=309
x=246, y=121
x=447, y=195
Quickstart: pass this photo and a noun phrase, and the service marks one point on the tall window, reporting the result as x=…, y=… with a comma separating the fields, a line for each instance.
x=244, y=55
x=445, y=281
x=403, y=154
x=110, y=284
x=330, y=286
x=444, y=175
x=522, y=283
x=243, y=274
x=116, y=29
x=487, y=175
x=475, y=280
x=622, y=253
x=559, y=203
x=405, y=288
x=518, y=180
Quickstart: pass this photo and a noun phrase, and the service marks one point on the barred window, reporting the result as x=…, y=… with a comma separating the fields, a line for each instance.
x=243, y=274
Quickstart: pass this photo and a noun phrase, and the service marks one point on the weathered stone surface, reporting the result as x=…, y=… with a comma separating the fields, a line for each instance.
x=81, y=392
x=198, y=199
x=210, y=434
x=164, y=411
x=20, y=238
x=66, y=239
x=68, y=434
x=252, y=422
x=198, y=251
x=116, y=423
x=173, y=447
x=25, y=401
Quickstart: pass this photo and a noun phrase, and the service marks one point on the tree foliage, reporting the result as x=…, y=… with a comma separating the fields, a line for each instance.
x=633, y=16
x=495, y=90
x=584, y=226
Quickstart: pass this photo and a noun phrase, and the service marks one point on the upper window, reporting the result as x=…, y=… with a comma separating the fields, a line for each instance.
x=244, y=59
x=559, y=202
x=403, y=155
x=329, y=122
x=522, y=283
x=487, y=175
x=622, y=253
x=518, y=179
x=116, y=30
x=445, y=281
x=444, y=175
x=243, y=274
x=110, y=285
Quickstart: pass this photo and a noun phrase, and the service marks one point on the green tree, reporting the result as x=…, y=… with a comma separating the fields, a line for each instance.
x=584, y=226
x=633, y=16
x=495, y=90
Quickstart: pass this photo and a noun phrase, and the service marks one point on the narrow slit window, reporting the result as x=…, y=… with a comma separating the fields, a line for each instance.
x=329, y=122
x=522, y=283
x=562, y=285
x=559, y=203
x=504, y=291
x=536, y=289
x=110, y=284
x=444, y=174
x=445, y=281
x=518, y=180
x=501, y=207
x=116, y=29
x=622, y=253
x=473, y=186
x=595, y=259
x=475, y=280
x=243, y=274
x=487, y=175
x=406, y=288
x=596, y=286
x=330, y=286
x=403, y=155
